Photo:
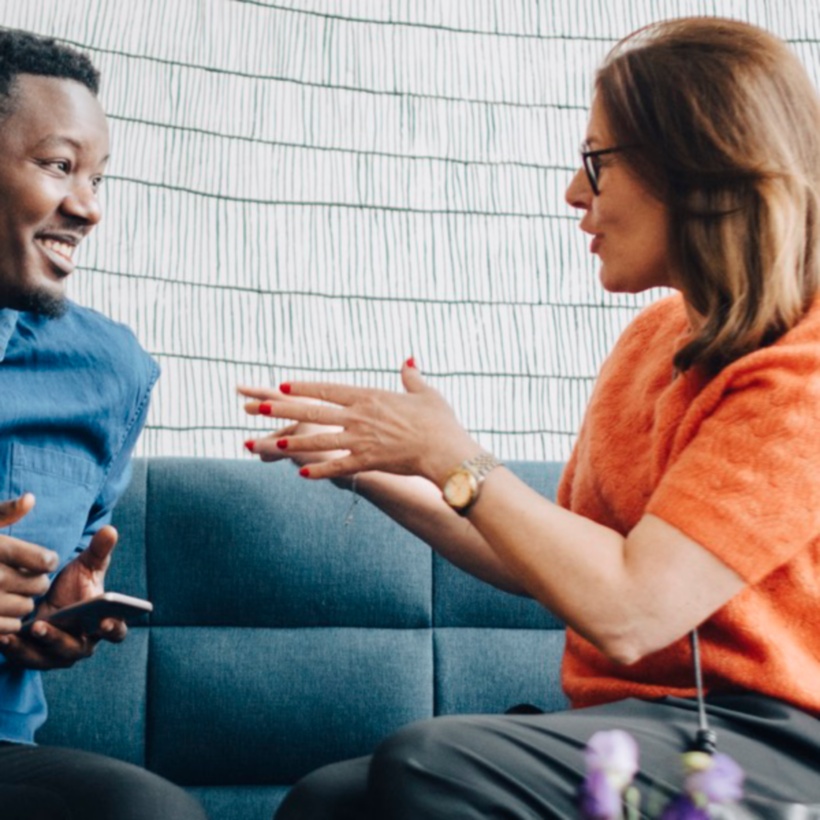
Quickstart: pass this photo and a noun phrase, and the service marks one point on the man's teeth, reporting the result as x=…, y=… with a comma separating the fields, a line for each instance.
x=62, y=248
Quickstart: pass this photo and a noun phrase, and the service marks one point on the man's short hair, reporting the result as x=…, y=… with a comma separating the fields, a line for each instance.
x=22, y=52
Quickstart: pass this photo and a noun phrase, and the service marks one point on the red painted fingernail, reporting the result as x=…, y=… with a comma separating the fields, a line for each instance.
x=411, y=362
x=304, y=472
x=264, y=408
x=282, y=444
x=249, y=444
x=284, y=388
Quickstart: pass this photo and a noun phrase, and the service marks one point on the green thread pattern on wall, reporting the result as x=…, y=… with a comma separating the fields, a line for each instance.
x=320, y=188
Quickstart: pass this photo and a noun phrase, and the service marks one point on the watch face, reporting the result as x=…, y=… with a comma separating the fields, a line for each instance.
x=460, y=489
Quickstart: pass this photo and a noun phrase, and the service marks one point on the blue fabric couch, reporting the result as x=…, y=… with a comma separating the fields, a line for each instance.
x=283, y=638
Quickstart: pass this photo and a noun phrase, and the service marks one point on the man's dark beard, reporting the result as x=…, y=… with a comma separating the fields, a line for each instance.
x=43, y=304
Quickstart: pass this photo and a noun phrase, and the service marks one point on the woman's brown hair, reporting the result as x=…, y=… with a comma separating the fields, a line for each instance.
x=723, y=125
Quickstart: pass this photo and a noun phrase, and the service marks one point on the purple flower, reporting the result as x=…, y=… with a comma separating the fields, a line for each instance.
x=599, y=799
x=682, y=808
x=607, y=792
x=615, y=753
x=611, y=762
x=721, y=781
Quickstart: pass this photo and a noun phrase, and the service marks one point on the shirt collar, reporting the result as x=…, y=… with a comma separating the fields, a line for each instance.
x=8, y=324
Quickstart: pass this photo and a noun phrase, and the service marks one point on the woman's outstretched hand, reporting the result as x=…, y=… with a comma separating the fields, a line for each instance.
x=266, y=447
x=341, y=430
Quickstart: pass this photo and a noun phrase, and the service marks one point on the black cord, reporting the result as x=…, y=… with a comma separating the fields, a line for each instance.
x=705, y=738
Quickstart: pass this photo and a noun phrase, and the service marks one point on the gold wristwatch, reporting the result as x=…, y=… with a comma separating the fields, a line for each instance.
x=463, y=485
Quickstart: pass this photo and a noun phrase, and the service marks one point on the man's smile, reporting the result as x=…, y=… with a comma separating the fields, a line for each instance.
x=59, y=249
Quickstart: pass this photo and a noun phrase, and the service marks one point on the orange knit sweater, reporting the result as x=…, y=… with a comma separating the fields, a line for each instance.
x=732, y=462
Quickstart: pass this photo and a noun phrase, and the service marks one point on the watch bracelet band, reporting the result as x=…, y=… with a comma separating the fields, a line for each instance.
x=481, y=465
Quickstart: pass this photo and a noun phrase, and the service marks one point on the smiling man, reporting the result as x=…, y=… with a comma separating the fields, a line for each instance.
x=74, y=391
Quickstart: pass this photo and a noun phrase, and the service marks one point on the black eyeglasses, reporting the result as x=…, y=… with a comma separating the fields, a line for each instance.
x=592, y=163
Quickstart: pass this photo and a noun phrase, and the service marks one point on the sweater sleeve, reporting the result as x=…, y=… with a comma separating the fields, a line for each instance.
x=743, y=477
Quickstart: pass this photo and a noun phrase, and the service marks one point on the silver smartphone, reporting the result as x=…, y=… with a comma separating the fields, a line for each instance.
x=86, y=616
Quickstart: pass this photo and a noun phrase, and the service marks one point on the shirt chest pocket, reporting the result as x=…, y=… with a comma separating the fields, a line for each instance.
x=64, y=486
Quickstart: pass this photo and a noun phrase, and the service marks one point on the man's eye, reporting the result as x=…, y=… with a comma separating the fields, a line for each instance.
x=96, y=183
x=61, y=165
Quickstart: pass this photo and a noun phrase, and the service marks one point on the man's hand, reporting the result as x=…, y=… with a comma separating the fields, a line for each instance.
x=24, y=567
x=47, y=647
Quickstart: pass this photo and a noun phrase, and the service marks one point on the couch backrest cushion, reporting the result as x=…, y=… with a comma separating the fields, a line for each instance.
x=284, y=638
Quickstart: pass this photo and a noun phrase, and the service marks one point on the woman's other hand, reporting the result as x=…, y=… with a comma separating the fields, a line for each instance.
x=341, y=430
x=266, y=447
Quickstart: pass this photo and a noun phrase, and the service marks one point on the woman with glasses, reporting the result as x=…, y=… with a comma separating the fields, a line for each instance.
x=691, y=500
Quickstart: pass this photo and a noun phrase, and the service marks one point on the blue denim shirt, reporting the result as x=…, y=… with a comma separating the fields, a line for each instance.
x=74, y=394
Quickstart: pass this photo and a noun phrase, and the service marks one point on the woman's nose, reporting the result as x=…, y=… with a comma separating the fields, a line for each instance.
x=579, y=191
